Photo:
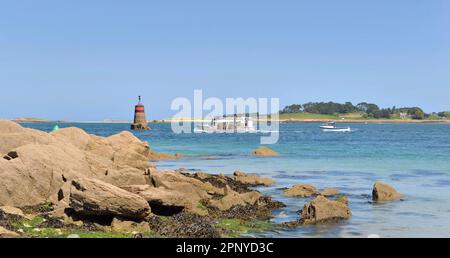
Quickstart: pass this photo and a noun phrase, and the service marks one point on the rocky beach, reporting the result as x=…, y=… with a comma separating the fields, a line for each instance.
x=69, y=183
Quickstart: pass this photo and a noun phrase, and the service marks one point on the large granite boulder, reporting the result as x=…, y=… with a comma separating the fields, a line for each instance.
x=91, y=197
x=40, y=163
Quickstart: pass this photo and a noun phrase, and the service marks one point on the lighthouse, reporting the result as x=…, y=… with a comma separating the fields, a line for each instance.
x=140, y=122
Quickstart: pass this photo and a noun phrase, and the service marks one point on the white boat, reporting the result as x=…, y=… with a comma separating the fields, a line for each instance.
x=331, y=127
x=233, y=124
x=347, y=129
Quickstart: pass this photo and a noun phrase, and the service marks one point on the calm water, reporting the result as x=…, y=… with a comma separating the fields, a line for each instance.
x=414, y=158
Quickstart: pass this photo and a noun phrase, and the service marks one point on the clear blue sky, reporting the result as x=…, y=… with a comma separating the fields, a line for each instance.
x=88, y=60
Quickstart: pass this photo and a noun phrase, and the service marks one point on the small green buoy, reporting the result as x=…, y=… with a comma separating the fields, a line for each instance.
x=55, y=128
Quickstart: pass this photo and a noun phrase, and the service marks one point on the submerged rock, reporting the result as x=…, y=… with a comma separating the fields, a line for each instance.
x=323, y=210
x=384, y=192
x=264, y=152
x=156, y=156
x=91, y=197
x=252, y=179
x=329, y=192
x=301, y=190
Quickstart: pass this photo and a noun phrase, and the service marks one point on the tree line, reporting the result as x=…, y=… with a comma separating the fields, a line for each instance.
x=369, y=110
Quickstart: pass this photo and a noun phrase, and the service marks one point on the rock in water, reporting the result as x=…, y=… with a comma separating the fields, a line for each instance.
x=4, y=233
x=323, y=210
x=91, y=197
x=301, y=190
x=264, y=152
x=251, y=179
x=384, y=192
x=329, y=192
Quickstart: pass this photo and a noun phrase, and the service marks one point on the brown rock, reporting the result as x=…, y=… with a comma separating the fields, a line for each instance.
x=264, y=152
x=202, y=175
x=384, y=192
x=164, y=197
x=329, y=192
x=125, y=226
x=11, y=213
x=301, y=190
x=155, y=156
x=13, y=135
x=323, y=210
x=252, y=179
x=192, y=190
x=4, y=233
x=41, y=162
x=74, y=136
x=125, y=157
x=91, y=197
x=233, y=198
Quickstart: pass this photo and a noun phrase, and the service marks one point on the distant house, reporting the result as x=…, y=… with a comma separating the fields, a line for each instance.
x=403, y=115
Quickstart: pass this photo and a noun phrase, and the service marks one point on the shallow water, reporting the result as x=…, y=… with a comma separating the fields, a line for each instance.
x=414, y=158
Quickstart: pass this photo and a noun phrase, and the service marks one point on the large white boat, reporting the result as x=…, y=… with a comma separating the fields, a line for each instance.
x=331, y=127
x=235, y=124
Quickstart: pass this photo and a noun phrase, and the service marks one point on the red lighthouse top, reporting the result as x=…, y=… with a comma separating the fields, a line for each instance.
x=139, y=107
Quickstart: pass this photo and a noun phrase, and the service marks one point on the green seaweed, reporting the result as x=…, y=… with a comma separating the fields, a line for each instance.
x=237, y=227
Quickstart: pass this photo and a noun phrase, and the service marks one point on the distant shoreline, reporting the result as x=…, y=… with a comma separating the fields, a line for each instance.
x=351, y=121
x=289, y=120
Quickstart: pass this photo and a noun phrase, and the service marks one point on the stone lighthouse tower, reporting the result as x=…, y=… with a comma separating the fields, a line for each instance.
x=140, y=122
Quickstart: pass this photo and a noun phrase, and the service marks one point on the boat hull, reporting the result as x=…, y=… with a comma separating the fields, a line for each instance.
x=348, y=129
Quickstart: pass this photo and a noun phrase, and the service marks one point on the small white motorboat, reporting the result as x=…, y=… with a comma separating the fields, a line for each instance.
x=331, y=127
x=342, y=129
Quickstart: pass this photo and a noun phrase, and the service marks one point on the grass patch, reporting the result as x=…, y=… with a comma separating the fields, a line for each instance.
x=31, y=228
x=237, y=227
x=353, y=116
x=307, y=116
x=201, y=206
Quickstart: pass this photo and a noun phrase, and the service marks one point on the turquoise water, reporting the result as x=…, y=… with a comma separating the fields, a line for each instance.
x=414, y=158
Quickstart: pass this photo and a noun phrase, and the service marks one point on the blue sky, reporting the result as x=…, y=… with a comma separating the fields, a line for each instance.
x=88, y=60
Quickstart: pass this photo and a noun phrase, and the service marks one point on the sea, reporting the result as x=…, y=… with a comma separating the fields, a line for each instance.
x=414, y=158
